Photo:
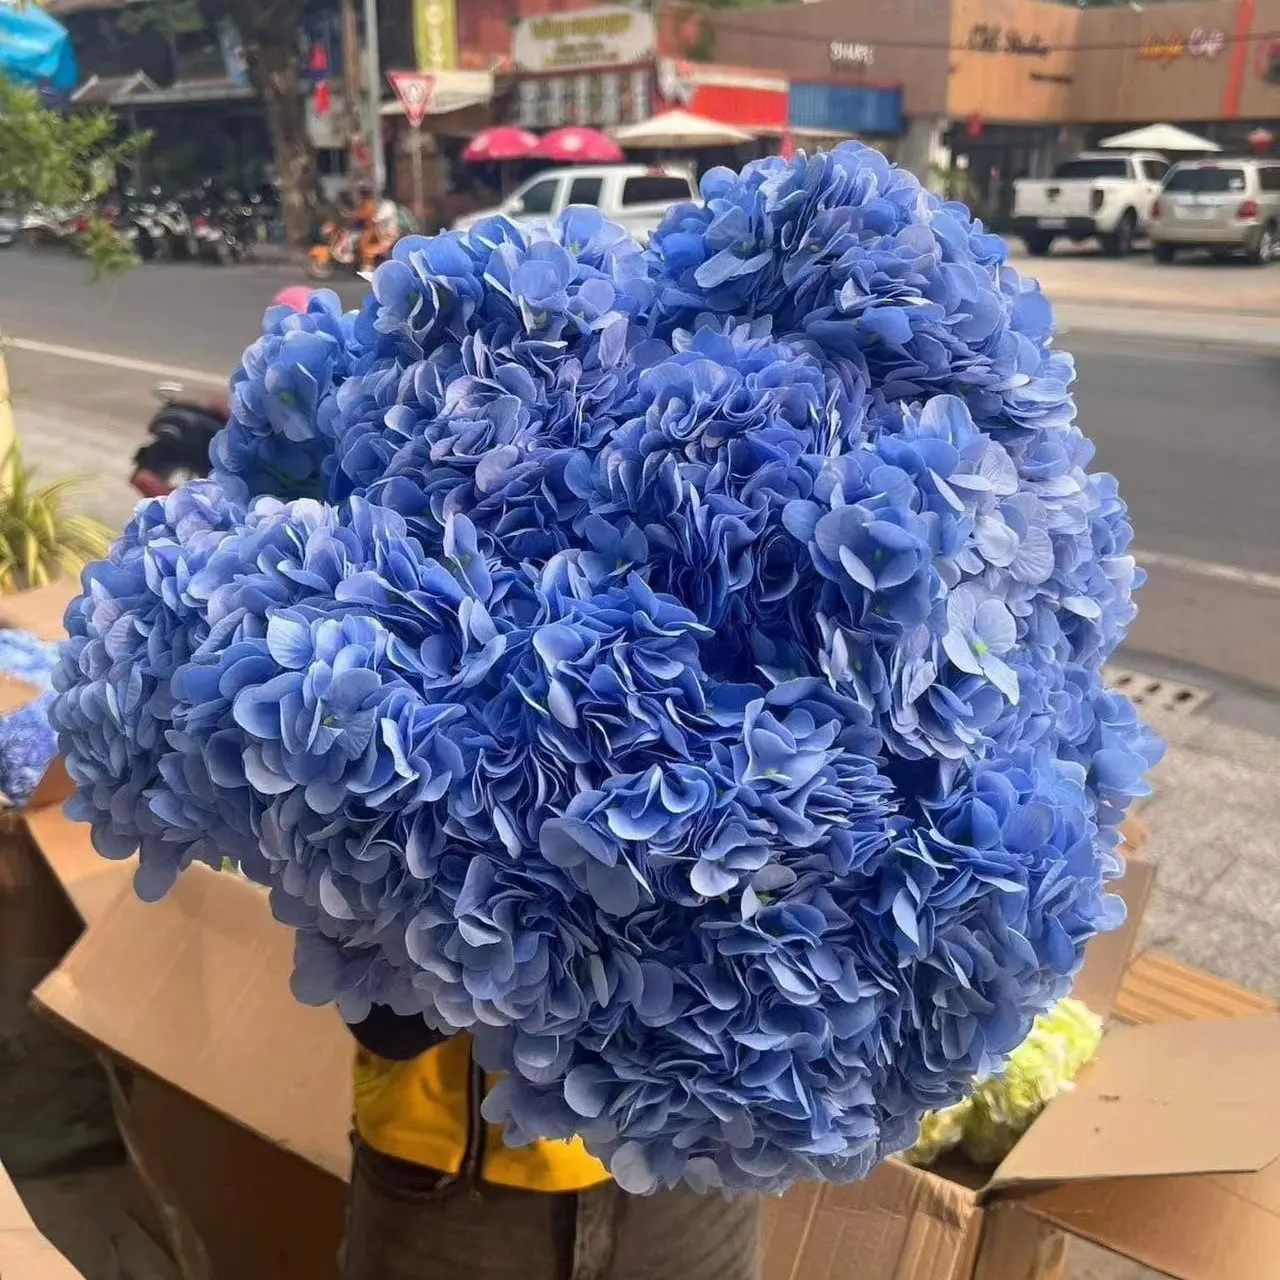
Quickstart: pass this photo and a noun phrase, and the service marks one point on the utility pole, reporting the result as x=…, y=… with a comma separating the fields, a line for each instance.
x=356, y=161
x=373, y=94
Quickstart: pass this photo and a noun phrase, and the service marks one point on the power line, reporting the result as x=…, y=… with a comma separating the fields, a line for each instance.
x=799, y=37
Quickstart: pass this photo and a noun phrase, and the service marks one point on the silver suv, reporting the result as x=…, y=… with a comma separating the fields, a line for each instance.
x=1225, y=206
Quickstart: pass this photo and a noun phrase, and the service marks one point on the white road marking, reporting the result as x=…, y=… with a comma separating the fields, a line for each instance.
x=113, y=361
x=1207, y=569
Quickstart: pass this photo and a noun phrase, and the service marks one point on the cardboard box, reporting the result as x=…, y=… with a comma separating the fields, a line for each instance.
x=41, y=610
x=24, y=1253
x=240, y=1109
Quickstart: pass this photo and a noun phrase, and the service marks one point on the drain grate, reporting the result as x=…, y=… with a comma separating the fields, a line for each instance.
x=1153, y=694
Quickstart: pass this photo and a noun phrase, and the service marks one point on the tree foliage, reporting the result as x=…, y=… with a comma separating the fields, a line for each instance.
x=65, y=159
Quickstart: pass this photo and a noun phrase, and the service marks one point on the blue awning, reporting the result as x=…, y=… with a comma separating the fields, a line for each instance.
x=35, y=48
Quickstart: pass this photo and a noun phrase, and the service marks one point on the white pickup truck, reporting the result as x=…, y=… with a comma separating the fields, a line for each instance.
x=635, y=195
x=1106, y=194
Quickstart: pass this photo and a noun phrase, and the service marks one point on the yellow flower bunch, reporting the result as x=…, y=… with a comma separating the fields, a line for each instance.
x=1001, y=1108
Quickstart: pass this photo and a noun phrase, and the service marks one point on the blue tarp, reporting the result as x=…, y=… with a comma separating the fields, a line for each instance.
x=35, y=48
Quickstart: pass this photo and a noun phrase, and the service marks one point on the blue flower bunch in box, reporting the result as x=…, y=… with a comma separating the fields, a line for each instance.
x=27, y=741
x=679, y=667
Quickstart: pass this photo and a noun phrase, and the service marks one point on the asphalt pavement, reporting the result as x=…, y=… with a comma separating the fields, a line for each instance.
x=1190, y=429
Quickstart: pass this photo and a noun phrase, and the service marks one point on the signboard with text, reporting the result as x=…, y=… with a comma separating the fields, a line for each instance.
x=435, y=34
x=845, y=53
x=610, y=36
x=1202, y=42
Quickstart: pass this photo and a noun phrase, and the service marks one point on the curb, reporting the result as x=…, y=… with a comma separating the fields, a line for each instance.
x=1198, y=328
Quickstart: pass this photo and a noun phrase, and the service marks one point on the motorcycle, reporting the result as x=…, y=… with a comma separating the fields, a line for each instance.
x=174, y=223
x=337, y=247
x=49, y=227
x=226, y=230
x=181, y=432
x=339, y=242
x=145, y=232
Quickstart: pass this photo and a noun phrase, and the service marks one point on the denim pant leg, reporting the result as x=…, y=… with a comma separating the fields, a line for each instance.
x=411, y=1223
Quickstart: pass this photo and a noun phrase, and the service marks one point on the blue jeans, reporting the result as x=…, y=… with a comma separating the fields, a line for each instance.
x=407, y=1222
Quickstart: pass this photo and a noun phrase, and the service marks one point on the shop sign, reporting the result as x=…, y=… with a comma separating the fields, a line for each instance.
x=435, y=34
x=1206, y=42
x=988, y=37
x=843, y=53
x=610, y=36
x=1203, y=42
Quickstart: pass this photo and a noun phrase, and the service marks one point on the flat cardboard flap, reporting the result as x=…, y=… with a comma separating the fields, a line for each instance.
x=1225, y=1227
x=1172, y=1098
x=91, y=881
x=24, y=1253
x=40, y=610
x=1107, y=955
x=195, y=990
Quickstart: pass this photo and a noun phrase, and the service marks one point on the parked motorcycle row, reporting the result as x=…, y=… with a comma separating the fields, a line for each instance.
x=221, y=225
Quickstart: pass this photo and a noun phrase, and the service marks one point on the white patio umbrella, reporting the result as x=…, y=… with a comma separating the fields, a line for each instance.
x=1160, y=137
x=679, y=129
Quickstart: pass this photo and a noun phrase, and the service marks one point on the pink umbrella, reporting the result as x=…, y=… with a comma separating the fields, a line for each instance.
x=578, y=144
x=504, y=142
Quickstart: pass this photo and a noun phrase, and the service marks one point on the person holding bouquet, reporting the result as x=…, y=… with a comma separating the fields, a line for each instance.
x=436, y=1195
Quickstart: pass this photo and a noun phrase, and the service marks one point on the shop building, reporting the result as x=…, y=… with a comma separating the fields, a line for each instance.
x=1031, y=82
x=817, y=72
x=873, y=69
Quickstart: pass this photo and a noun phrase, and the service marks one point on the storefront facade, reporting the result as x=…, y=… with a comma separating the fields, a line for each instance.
x=1033, y=82
x=874, y=69
x=587, y=66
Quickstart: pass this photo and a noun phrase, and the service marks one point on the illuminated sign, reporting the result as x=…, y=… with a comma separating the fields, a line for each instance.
x=1202, y=42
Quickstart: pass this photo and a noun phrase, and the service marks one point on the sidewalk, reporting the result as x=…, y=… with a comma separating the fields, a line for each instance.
x=1198, y=300
x=1216, y=904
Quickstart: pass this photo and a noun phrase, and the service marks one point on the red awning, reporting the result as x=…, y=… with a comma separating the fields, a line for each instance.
x=745, y=106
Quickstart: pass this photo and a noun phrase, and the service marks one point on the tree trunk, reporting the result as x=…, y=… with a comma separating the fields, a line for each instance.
x=271, y=55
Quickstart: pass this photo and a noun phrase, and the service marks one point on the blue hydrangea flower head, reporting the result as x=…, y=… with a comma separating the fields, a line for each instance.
x=681, y=667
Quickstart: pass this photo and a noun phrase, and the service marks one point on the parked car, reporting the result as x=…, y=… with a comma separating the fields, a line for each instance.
x=9, y=224
x=1103, y=194
x=1225, y=206
x=635, y=195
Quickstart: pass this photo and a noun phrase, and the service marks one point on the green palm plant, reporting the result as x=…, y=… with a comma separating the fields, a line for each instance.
x=41, y=537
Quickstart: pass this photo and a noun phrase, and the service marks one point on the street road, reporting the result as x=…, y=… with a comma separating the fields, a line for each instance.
x=1192, y=431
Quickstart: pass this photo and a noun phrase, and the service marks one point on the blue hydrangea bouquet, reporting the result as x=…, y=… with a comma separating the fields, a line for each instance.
x=680, y=667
